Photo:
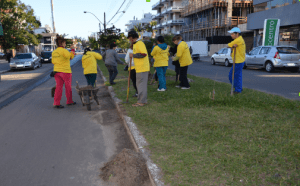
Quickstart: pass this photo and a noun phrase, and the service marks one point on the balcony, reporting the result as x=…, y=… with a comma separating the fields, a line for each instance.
x=164, y=24
x=157, y=5
x=157, y=16
x=128, y=24
x=164, y=12
x=159, y=26
x=174, y=9
x=175, y=21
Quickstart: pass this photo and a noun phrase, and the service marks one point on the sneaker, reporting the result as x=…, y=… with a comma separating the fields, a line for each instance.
x=178, y=86
x=161, y=90
x=185, y=88
x=135, y=95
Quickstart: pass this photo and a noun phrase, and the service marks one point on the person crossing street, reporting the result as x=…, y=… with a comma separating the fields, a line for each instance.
x=239, y=44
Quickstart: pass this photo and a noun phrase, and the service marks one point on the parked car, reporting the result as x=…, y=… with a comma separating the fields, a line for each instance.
x=26, y=60
x=222, y=56
x=79, y=52
x=46, y=56
x=271, y=57
x=2, y=55
x=119, y=50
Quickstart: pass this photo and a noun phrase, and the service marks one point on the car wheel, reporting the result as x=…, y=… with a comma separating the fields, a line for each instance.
x=269, y=67
x=295, y=69
x=227, y=64
x=213, y=61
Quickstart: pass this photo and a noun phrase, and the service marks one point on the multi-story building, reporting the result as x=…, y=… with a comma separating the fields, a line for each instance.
x=207, y=18
x=48, y=40
x=288, y=13
x=168, y=17
x=147, y=18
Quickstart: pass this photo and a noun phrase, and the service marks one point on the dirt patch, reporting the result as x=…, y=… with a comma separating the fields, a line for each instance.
x=128, y=168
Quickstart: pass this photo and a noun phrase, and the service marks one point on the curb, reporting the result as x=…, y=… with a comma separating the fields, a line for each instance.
x=2, y=72
x=138, y=140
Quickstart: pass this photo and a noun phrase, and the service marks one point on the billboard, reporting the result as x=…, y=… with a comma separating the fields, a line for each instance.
x=271, y=32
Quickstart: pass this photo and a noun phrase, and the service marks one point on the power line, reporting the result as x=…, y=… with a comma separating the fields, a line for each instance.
x=117, y=11
x=126, y=8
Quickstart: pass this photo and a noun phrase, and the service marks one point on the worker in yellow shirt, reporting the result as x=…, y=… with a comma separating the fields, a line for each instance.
x=142, y=67
x=184, y=56
x=161, y=55
x=239, y=44
x=89, y=64
x=63, y=74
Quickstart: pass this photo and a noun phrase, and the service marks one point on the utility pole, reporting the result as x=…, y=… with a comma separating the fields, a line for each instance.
x=53, y=24
x=104, y=24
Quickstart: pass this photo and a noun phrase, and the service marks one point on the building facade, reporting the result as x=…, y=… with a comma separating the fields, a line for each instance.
x=147, y=18
x=169, y=18
x=288, y=13
x=207, y=18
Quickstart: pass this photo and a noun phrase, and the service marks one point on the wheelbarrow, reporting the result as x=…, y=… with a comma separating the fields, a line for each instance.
x=87, y=94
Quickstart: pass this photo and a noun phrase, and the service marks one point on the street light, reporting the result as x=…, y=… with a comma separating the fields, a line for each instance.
x=95, y=17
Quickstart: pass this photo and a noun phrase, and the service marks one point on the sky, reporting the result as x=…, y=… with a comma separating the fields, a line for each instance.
x=70, y=19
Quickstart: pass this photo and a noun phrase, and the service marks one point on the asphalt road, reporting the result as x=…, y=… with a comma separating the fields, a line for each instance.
x=281, y=82
x=40, y=145
x=4, y=65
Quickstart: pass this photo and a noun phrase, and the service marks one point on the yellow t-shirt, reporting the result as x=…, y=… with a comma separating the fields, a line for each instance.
x=61, y=60
x=183, y=52
x=89, y=62
x=240, y=50
x=141, y=64
x=161, y=57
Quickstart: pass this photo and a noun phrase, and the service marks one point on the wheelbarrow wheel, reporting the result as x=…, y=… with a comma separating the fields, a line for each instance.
x=87, y=102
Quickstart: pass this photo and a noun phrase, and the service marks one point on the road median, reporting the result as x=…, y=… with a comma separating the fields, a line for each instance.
x=246, y=139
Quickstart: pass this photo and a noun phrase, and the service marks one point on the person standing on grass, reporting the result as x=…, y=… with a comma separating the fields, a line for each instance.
x=89, y=64
x=185, y=59
x=111, y=60
x=161, y=55
x=239, y=44
x=142, y=67
x=61, y=61
x=173, y=51
x=129, y=60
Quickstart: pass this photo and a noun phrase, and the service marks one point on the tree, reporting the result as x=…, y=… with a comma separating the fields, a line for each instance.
x=111, y=35
x=93, y=43
x=123, y=42
x=139, y=29
x=149, y=28
x=18, y=23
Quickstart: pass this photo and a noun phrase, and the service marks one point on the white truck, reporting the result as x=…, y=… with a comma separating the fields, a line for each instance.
x=199, y=47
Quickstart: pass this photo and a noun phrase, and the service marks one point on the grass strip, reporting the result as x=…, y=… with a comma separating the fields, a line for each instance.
x=251, y=138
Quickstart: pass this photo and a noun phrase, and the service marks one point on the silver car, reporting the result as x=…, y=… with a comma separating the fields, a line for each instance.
x=222, y=56
x=26, y=60
x=271, y=57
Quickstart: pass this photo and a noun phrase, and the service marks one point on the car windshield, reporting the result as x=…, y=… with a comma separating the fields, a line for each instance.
x=46, y=54
x=23, y=56
x=287, y=50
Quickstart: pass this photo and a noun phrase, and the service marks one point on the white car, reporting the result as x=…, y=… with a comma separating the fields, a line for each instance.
x=222, y=56
x=26, y=60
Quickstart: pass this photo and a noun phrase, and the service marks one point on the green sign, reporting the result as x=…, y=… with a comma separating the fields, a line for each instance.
x=271, y=32
x=149, y=0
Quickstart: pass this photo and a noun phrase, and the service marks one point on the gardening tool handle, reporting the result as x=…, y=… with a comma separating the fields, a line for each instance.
x=233, y=69
x=129, y=79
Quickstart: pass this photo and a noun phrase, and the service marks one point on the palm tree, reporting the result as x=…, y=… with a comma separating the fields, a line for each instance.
x=149, y=28
x=138, y=28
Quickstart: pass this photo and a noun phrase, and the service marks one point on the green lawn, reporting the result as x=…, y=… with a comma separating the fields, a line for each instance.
x=249, y=139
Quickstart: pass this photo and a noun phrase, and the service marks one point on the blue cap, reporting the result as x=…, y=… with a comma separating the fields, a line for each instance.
x=235, y=29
